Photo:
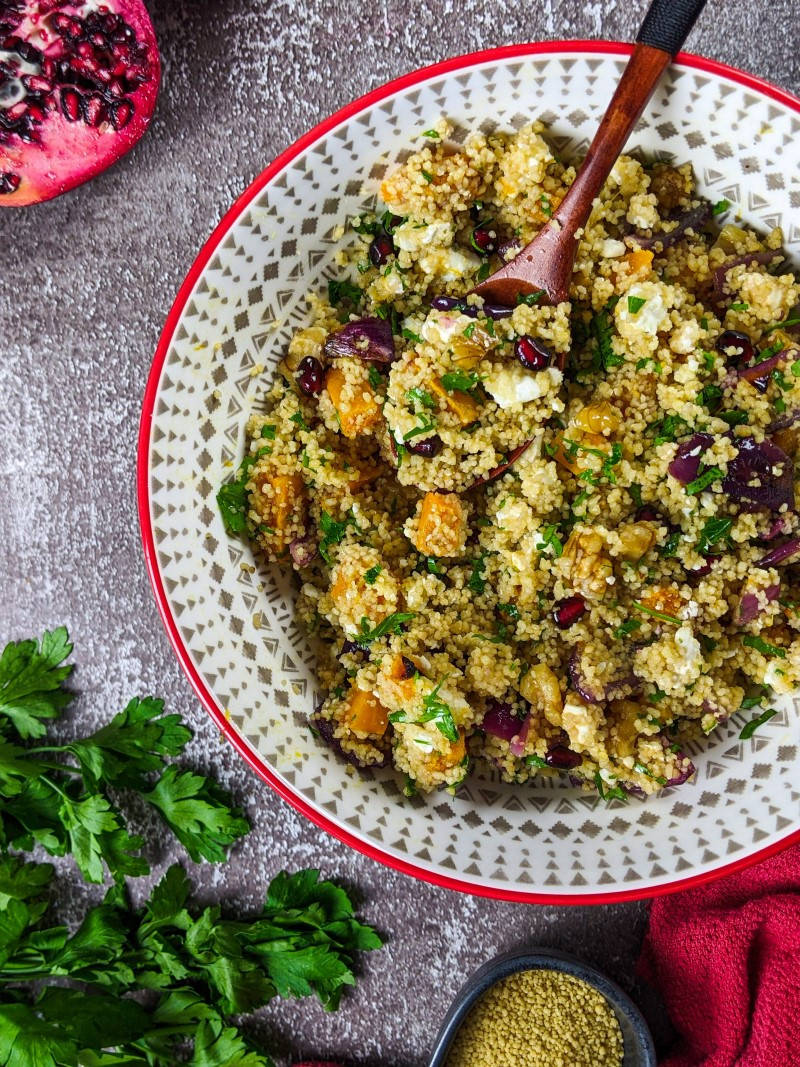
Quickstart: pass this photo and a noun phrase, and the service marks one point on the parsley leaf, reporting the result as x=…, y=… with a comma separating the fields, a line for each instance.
x=332, y=533
x=371, y=576
x=670, y=428
x=340, y=292
x=31, y=676
x=49, y=800
x=158, y=983
x=710, y=396
x=734, y=417
x=720, y=207
x=707, y=478
x=602, y=332
x=764, y=647
x=714, y=530
x=477, y=580
x=198, y=812
x=459, y=379
x=551, y=540
x=615, y=793
x=420, y=397
x=635, y=304
x=391, y=625
x=750, y=728
x=439, y=713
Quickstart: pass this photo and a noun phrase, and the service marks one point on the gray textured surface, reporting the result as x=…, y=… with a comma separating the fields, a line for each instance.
x=87, y=282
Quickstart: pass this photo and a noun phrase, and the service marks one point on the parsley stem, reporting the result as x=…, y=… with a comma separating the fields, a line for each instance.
x=662, y=615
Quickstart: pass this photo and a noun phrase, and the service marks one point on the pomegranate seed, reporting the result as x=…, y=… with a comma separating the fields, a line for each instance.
x=84, y=48
x=741, y=344
x=35, y=113
x=95, y=110
x=121, y=114
x=484, y=240
x=310, y=376
x=70, y=105
x=36, y=84
x=9, y=182
x=10, y=43
x=28, y=52
x=647, y=513
x=569, y=611
x=563, y=758
x=531, y=353
x=428, y=448
x=17, y=110
x=703, y=569
x=48, y=68
x=381, y=247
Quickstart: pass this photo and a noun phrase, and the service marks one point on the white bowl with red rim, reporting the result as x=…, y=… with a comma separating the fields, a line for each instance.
x=230, y=616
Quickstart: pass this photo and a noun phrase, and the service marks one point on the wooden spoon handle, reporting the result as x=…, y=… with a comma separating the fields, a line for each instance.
x=666, y=26
x=545, y=264
x=636, y=85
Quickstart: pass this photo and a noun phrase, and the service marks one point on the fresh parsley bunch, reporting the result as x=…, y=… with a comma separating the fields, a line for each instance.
x=147, y=987
x=63, y=797
x=145, y=982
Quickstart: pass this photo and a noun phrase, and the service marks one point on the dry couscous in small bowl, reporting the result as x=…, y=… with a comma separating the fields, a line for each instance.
x=231, y=615
x=542, y=1008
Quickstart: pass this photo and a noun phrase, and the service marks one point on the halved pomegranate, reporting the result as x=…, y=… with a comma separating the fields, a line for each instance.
x=78, y=84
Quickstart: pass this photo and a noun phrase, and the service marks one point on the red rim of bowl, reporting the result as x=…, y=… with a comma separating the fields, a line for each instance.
x=685, y=59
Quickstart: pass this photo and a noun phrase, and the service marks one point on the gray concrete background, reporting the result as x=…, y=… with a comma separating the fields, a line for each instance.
x=86, y=283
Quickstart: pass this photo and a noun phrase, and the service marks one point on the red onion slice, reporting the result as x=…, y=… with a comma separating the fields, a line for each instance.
x=689, y=767
x=778, y=527
x=789, y=418
x=750, y=606
x=517, y=746
x=758, y=374
x=303, y=551
x=513, y=456
x=369, y=339
x=686, y=463
x=757, y=460
x=616, y=689
x=693, y=219
x=781, y=554
x=721, y=273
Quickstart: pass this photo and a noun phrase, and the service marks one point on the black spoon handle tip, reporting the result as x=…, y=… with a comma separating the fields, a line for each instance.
x=668, y=23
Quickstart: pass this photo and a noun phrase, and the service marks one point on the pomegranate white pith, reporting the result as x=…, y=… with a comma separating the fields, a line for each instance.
x=78, y=84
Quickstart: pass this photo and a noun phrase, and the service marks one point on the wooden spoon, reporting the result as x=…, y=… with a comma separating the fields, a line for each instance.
x=545, y=265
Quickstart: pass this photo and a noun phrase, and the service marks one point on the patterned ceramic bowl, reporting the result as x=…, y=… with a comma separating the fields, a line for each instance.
x=230, y=617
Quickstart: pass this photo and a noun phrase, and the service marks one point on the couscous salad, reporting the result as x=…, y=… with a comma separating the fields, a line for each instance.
x=560, y=539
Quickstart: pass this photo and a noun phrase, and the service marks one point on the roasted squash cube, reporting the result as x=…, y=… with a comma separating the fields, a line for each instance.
x=365, y=714
x=356, y=404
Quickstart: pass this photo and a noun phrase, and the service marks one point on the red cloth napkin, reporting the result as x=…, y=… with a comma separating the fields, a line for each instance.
x=726, y=959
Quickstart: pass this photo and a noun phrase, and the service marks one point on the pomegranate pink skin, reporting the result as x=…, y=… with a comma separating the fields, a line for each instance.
x=70, y=153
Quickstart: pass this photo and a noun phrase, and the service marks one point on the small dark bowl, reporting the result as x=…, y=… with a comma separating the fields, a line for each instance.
x=638, y=1047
